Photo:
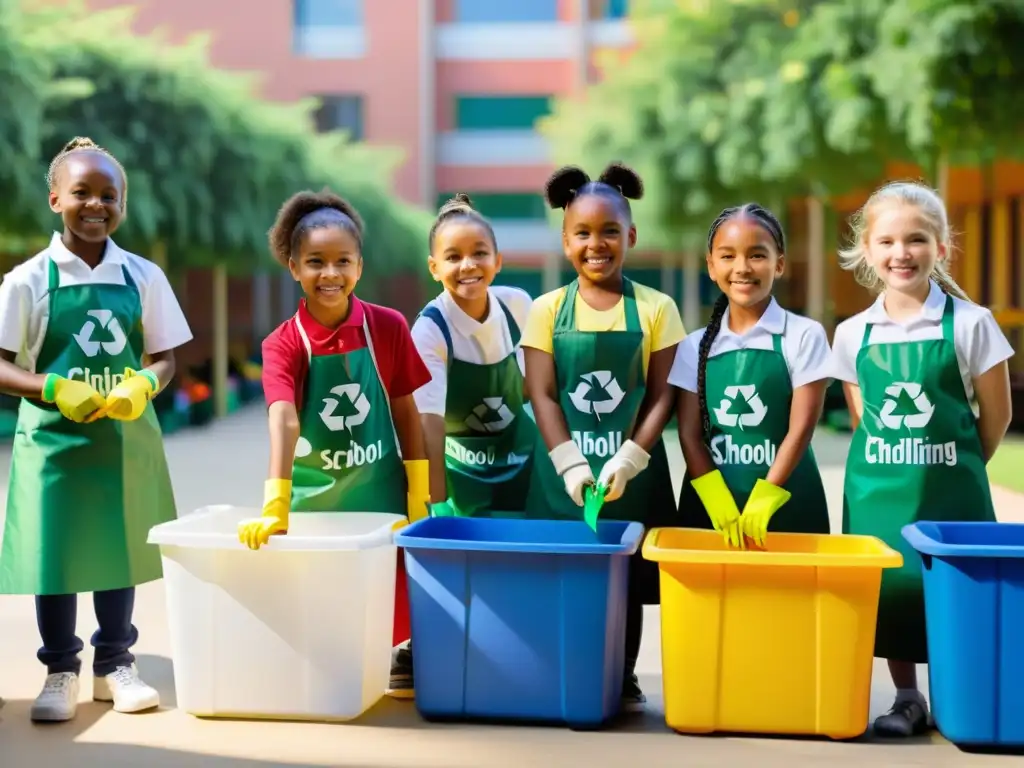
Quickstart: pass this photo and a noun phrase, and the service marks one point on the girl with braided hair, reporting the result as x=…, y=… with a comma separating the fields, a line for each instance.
x=87, y=339
x=598, y=353
x=752, y=386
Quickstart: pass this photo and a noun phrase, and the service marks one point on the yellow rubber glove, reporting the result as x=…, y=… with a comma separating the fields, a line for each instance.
x=75, y=399
x=764, y=501
x=418, y=499
x=277, y=502
x=127, y=401
x=720, y=505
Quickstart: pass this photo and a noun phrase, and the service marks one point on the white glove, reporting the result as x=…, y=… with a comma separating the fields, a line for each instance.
x=572, y=466
x=628, y=462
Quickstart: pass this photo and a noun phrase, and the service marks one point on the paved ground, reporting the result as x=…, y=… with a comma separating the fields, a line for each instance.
x=225, y=464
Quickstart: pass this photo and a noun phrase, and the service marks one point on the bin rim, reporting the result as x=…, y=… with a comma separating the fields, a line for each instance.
x=927, y=545
x=884, y=556
x=166, y=535
x=628, y=544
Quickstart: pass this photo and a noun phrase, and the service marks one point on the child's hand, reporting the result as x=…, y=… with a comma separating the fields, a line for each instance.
x=417, y=473
x=277, y=498
x=720, y=505
x=764, y=501
x=628, y=462
x=572, y=467
x=75, y=400
x=127, y=401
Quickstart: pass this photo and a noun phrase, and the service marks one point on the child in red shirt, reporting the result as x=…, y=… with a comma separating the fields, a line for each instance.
x=339, y=378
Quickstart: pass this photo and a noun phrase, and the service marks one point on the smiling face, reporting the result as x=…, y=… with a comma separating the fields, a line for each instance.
x=88, y=194
x=596, y=235
x=902, y=247
x=463, y=258
x=745, y=261
x=328, y=266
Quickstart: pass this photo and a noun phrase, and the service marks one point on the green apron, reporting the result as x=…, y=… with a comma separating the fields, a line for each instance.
x=489, y=432
x=601, y=386
x=347, y=458
x=749, y=395
x=916, y=455
x=82, y=497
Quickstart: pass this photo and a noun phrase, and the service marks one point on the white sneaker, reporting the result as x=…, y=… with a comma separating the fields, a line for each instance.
x=59, y=699
x=126, y=690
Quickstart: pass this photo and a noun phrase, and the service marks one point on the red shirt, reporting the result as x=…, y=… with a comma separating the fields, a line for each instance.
x=285, y=361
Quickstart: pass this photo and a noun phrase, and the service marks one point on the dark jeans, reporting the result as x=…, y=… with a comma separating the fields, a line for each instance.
x=634, y=630
x=57, y=615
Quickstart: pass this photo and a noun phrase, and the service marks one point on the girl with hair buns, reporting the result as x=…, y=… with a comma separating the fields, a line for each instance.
x=87, y=339
x=598, y=354
x=339, y=378
x=925, y=376
x=479, y=434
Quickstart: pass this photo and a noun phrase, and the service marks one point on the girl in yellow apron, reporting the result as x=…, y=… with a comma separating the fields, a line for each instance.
x=925, y=375
x=752, y=387
x=339, y=379
x=87, y=333
x=598, y=354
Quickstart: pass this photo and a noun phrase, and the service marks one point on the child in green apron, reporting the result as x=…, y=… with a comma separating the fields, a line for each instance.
x=479, y=433
x=339, y=378
x=752, y=384
x=87, y=333
x=925, y=376
x=598, y=353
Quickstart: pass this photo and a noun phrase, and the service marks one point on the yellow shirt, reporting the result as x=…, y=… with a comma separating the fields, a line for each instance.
x=659, y=318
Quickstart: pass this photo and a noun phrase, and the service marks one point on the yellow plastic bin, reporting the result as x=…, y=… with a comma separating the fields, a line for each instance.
x=778, y=641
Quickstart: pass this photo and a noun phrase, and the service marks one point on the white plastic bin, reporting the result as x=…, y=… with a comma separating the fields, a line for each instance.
x=299, y=630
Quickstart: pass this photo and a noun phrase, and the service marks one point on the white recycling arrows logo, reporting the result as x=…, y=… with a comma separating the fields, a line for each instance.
x=598, y=393
x=905, y=404
x=91, y=347
x=357, y=403
x=481, y=419
x=741, y=406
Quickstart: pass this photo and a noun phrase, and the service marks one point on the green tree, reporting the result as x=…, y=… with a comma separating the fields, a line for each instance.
x=209, y=162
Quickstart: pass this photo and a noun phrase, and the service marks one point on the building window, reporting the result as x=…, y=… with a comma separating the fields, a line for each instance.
x=328, y=29
x=516, y=206
x=490, y=11
x=608, y=9
x=341, y=113
x=500, y=113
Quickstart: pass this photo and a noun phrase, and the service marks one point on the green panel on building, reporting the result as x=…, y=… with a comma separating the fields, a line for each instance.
x=500, y=113
x=503, y=205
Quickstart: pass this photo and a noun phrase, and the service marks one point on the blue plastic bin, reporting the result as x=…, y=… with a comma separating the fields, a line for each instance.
x=974, y=607
x=518, y=620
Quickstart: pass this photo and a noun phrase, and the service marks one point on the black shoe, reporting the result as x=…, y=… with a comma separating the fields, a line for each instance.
x=633, y=699
x=401, y=685
x=906, y=718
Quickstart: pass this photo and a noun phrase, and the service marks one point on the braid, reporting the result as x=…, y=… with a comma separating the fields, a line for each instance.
x=460, y=206
x=771, y=224
x=710, y=333
x=83, y=144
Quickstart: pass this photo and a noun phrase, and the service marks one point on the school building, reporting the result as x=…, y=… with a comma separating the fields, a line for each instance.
x=459, y=86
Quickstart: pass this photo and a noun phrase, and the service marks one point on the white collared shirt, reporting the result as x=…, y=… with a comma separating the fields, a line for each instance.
x=804, y=347
x=24, y=308
x=978, y=339
x=482, y=343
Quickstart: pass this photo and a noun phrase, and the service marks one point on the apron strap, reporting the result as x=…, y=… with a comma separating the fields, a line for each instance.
x=433, y=314
x=53, y=277
x=514, y=332
x=947, y=321
x=866, y=336
x=565, y=320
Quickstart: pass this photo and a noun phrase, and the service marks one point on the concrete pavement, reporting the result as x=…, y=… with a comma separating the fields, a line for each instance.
x=225, y=463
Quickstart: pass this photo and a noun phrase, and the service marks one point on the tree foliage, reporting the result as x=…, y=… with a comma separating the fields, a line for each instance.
x=733, y=100
x=209, y=163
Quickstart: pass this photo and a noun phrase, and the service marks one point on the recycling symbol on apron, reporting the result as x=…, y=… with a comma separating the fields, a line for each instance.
x=492, y=415
x=741, y=406
x=91, y=347
x=352, y=404
x=905, y=405
x=598, y=393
